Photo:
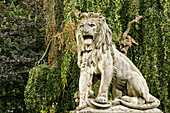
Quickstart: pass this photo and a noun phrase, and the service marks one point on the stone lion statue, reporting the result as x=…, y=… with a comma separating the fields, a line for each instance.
x=98, y=56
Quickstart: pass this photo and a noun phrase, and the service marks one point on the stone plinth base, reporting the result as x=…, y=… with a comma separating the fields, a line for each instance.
x=118, y=109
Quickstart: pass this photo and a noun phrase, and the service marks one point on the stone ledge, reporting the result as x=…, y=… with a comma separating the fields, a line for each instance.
x=118, y=109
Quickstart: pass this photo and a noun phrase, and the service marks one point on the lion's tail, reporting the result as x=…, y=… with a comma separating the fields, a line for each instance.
x=154, y=104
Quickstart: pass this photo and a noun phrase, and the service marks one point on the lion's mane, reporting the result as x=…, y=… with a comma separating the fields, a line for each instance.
x=101, y=42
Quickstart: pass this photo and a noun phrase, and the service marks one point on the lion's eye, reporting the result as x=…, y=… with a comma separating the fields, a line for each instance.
x=91, y=25
x=82, y=25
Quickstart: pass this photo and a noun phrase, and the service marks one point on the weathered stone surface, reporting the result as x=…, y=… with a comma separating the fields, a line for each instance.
x=98, y=56
x=118, y=109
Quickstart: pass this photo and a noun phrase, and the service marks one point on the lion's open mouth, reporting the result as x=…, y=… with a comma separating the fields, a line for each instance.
x=88, y=37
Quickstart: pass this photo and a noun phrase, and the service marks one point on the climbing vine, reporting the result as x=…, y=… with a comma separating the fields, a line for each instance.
x=33, y=32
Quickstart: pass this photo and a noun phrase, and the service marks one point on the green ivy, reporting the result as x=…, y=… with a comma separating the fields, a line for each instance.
x=25, y=24
x=43, y=88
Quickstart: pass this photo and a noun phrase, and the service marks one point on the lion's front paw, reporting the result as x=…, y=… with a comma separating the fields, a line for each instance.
x=80, y=107
x=102, y=98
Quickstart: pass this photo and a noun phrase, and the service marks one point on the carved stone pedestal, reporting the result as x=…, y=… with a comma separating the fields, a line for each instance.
x=118, y=109
x=112, y=107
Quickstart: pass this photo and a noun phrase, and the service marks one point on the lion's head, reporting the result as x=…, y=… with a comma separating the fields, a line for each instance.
x=93, y=36
x=92, y=32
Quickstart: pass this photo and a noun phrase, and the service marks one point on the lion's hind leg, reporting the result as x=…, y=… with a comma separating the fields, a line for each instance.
x=137, y=86
x=115, y=91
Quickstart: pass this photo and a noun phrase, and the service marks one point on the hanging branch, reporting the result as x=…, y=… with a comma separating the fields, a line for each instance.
x=126, y=40
x=54, y=36
x=47, y=48
x=129, y=25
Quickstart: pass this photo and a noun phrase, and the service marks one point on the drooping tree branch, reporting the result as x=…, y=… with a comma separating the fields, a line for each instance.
x=75, y=12
x=129, y=25
x=126, y=40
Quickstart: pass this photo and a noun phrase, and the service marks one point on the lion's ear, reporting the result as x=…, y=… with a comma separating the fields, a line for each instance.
x=101, y=19
x=77, y=13
x=83, y=15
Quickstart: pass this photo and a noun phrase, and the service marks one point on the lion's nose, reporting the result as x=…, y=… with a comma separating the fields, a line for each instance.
x=86, y=30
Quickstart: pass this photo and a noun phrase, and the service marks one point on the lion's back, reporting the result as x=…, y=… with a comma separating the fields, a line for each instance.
x=123, y=64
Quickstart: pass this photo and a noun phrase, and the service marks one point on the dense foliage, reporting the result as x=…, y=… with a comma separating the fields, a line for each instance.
x=21, y=45
x=28, y=26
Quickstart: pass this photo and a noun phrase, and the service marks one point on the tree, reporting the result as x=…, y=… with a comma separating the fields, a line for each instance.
x=27, y=27
x=21, y=45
